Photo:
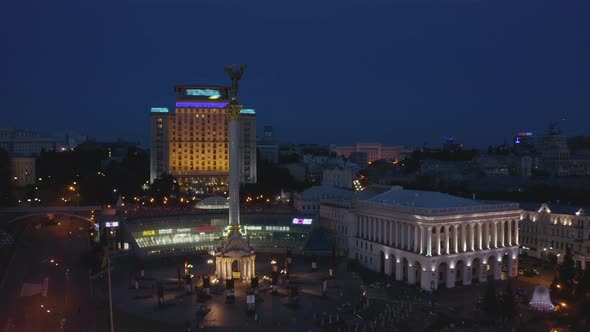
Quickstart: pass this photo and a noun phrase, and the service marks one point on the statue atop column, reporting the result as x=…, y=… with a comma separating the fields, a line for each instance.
x=235, y=72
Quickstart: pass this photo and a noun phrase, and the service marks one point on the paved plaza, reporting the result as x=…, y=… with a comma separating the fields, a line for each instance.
x=392, y=306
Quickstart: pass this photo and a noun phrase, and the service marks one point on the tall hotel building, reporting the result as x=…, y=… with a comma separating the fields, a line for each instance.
x=192, y=143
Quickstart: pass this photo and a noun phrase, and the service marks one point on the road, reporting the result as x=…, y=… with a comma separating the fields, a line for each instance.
x=48, y=253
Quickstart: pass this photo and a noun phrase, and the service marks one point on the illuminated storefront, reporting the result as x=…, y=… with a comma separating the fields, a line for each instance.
x=178, y=234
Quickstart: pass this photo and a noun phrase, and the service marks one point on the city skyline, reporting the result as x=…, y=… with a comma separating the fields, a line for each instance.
x=401, y=73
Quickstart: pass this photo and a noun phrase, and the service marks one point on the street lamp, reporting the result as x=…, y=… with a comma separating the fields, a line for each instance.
x=274, y=265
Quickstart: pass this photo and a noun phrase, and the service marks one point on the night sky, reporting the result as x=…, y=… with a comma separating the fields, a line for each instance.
x=390, y=71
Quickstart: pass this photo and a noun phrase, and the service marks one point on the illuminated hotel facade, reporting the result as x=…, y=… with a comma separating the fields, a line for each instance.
x=191, y=144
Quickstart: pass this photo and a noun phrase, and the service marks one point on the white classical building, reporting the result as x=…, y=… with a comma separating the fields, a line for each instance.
x=547, y=230
x=430, y=238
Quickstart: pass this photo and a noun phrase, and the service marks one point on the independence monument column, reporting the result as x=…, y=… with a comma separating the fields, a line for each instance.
x=235, y=258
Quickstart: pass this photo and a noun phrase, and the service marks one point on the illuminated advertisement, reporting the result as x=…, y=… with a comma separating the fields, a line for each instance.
x=148, y=233
x=159, y=110
x=206, y=229
x=210, y=93
x=111, y=224
x=278, y=228
x=165, y=231
x=179, y=238
x=302, y=221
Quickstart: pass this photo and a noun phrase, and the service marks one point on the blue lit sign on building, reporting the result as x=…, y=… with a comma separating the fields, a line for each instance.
x=247, y=111
x=212, y=94
x=200, y=104
x=159, y=110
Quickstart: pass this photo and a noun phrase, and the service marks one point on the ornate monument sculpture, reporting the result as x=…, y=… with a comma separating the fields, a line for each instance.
x=235, y=256
x=235, y=74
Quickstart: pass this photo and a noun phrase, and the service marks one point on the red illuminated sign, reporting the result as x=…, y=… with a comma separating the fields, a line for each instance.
x=206, y=229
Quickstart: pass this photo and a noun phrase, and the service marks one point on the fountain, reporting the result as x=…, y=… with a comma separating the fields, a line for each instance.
x=541, y=301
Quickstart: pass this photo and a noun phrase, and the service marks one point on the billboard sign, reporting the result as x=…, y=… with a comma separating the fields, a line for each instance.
x=111, y=224
x=302, y=221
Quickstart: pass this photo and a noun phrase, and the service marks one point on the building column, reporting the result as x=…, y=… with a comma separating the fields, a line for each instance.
x=479, y=235
x=495, y=234
x=516, y=239
x=429, y=241
x=498, y=269
x=421, y=239
x=509, y=237
x=438, y=240
x=447, y=244
x=467, y=275
x=483, y=274
x=471, y=237
x=512, y=267
x=456, y=238
x=254, y=266
x=425, y=280
x=463, y=237
x=409, y=239
x=486, y=236
x=399, y=270
x=395, y=240
x=502, y=233
x=416, y=241
x=450, y=278
x=411, y=275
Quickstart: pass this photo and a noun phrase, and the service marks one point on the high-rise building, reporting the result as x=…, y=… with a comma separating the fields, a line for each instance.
x=248, y=145
x=191, y=143
x=159, y=142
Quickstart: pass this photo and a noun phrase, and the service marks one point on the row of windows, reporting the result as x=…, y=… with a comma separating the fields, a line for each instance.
x=186, y=111
x=197, y=168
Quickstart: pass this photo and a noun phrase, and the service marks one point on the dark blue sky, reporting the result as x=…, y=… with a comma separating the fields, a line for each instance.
x=390, y=71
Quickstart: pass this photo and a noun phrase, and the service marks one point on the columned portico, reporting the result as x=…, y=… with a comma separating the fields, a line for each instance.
x=434, y=247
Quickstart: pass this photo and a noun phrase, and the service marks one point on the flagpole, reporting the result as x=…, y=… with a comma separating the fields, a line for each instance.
x=110, y=292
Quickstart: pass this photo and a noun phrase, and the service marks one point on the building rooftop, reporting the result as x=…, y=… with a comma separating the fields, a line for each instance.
x=555, y=208
x=424, y=199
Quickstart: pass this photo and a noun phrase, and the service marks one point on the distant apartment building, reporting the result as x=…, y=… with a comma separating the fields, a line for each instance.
x=374, y=151
x=197, y=153
x=548, y=229
x=338, y=177
x=22, y=171
x=28, y=143
x=268, y=146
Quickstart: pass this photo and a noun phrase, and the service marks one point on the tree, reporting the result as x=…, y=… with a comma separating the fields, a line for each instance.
x=584, y=284
x=490, y=300
x=567, y=269
x=508, y=308
x=6, y=192
x=164, y=186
